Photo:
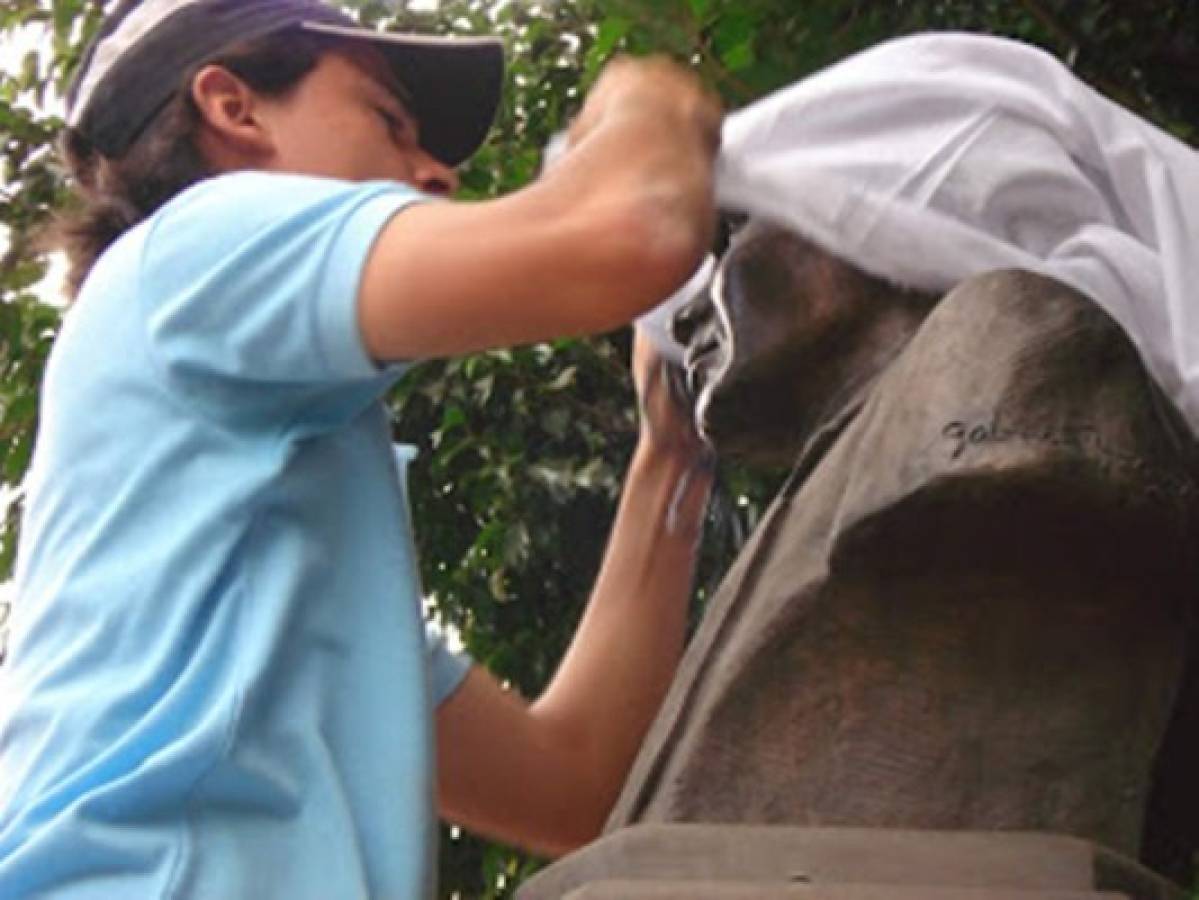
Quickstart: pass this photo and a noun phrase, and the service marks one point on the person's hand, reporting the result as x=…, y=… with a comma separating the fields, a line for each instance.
x=655, y=87
x=667, y=418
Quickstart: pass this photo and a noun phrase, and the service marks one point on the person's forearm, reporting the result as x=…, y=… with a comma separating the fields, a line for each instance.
x=545, y=775
x=613, y=678
x=606, y=235
x=613, y=229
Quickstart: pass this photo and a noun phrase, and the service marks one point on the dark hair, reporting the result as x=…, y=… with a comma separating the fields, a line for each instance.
x=113, y=195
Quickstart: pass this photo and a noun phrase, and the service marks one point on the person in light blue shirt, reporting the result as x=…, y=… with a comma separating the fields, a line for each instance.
x=220, y=682
x=234, y=553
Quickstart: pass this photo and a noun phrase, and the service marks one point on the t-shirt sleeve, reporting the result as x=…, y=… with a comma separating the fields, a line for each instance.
x=447, y=669
x=249, y=285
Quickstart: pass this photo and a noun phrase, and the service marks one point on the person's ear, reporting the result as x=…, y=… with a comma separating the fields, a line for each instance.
x=232, y=113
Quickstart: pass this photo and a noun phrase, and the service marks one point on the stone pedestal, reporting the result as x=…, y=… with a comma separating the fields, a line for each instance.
x=683, y=890
x=739, y=862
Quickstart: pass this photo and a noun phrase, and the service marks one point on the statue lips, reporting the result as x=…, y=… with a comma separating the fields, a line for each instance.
x=696, y=328
x=699, y=361
x=699, y=328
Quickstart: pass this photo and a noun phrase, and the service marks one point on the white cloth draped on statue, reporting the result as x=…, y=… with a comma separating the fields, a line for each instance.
x=932, y=158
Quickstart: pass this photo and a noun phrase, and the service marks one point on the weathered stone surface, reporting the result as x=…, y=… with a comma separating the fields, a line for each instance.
x=689, y=890
x=969, y=607
x=779, y=860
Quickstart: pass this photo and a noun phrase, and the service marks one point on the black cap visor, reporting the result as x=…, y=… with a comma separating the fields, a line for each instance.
x=453, y=84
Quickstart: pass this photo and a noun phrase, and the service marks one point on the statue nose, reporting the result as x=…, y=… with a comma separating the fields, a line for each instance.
x=690, y=318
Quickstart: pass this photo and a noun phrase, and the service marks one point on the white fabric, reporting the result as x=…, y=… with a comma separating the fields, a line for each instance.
x=932, y=158
x=656, y=324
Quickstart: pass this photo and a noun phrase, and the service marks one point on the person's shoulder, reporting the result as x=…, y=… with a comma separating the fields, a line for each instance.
x=250, y=195
x=227, y=215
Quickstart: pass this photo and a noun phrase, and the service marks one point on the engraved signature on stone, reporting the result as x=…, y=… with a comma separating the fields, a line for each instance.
x=965, y=434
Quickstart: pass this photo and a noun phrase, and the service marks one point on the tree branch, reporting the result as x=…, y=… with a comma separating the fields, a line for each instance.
x=1077, y=45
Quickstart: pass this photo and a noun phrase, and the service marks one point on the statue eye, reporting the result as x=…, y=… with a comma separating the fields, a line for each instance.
x=726, y=229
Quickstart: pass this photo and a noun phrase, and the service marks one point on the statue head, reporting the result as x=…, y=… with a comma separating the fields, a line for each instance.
x=785, y=341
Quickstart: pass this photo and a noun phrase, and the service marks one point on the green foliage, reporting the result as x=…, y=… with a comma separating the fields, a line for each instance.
x=522, y=450
x=31, y=189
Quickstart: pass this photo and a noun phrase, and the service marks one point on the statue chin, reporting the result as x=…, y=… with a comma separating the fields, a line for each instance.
x=763, y=410
x=743, y=410
x=750, y=426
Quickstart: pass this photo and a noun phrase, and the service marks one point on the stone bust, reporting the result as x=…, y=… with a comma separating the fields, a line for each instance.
x=969, y=607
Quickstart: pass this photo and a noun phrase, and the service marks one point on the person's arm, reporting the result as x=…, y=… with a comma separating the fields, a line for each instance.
x=545, y=775
x=618, y=224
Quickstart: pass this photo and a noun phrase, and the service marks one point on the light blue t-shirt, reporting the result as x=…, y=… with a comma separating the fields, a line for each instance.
x=218, y=676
